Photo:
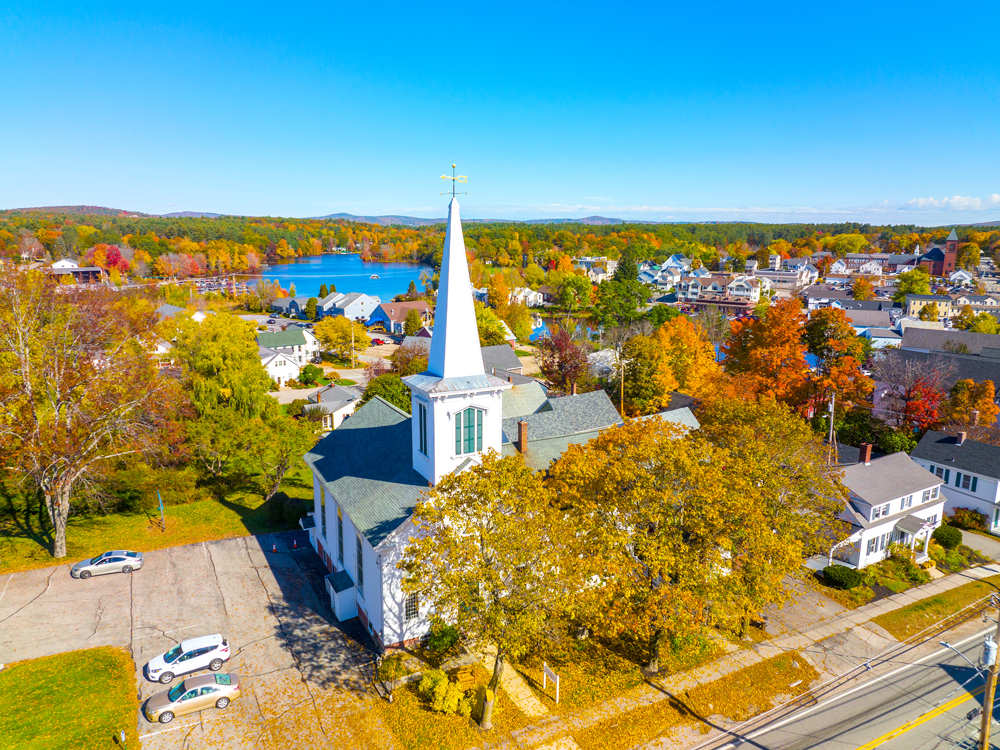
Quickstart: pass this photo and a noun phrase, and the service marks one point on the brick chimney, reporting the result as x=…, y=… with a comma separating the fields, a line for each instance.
x=866, y=454
x=960, y=438
x=573, y=389
x=522, y=436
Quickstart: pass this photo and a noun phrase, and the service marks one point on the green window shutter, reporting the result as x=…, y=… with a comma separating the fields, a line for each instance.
x=479, y=430
x=458, y=433
x=947, y=472
x=958, y=479
x=974, y=483
x=470, y=430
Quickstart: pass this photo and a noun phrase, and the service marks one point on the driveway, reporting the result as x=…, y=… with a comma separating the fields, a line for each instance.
x=303, y=678
x=987, y=544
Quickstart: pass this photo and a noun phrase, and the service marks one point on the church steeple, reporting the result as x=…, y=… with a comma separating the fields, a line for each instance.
x=455, y=348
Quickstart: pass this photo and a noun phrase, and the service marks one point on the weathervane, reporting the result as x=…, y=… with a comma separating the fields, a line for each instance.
x=455, y=179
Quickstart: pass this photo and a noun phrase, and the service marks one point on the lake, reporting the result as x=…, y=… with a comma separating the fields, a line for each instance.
x=348, y=273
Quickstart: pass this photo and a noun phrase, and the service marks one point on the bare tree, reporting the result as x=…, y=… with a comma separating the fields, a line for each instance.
x=715, y=324
x=79, y=386
x=899, y=377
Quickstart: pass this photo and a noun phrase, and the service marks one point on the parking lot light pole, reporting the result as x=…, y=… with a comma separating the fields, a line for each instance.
x=991, y=686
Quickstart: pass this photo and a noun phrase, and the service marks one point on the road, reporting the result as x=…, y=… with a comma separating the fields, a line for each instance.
x=918, y=704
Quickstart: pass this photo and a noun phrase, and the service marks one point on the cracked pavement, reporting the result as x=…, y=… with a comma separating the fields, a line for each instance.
x=303, y=679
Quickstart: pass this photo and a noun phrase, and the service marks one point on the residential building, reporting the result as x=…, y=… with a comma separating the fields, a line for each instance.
x=882, y=337
x=892, y=499
x=969, y=472
x=823, y=295
x=680, y=411
x=916, y=302
x=961, y=276
x=796, y=279
x=172, y=311
x=298, y=344
x=80, y=275
x=280, y=367
x=65, y=263
x=392, y=315
x=353, y=306
x=528, y=297
x=370, y=472
x=336, y=403
x=862, y=320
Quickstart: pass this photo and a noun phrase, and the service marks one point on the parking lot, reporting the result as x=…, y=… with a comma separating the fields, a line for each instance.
x=303, y=680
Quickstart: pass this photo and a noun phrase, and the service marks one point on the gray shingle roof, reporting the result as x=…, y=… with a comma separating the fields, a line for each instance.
x=568, y=415
x=870, y=318
x=366, y=465
x=887, y=478
x=500, y=357
x=333, y=398
x=971, y=456
x=429, y=383
x=291, y=336
x=169, y=311
x=955, y=367
x=541, y=453
x=524, y=399
x=935, y=340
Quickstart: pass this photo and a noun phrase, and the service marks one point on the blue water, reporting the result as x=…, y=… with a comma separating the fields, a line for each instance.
x=348, y=273
x=540, y=329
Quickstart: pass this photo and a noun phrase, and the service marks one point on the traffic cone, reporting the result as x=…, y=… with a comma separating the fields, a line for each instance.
x=274, y=546
x=295, y=544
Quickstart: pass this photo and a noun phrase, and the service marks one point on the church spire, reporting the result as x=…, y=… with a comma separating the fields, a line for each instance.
x=455, y=350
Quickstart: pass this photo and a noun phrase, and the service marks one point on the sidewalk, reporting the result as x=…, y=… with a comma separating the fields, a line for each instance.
x=846, y=640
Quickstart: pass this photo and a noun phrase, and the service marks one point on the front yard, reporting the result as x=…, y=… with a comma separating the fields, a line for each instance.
x=79, y=699
x=913, y=618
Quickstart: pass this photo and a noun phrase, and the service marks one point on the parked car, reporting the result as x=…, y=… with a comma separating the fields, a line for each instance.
x=192, y=655
x=116, y=561
x=194, y=694
x=271, y=321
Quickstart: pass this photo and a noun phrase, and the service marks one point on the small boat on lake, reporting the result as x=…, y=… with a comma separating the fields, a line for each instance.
x=373, y=276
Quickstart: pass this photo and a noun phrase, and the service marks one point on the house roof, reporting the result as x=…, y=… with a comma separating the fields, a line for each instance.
x=887, y=478
x=527, y=398
x=367, y=466
x=849, y=454
x=396, y=311
x=883, y=333
x=333, y=398
x=928, y=297
x=870, y=318
x=567, y=415
x=972, y=456
x=822, y=291
x=169, y=311
x=933, y=340
x=955, y=367
x=500, y=357
x=934, y=254
x=868, y=304
x=291, y=336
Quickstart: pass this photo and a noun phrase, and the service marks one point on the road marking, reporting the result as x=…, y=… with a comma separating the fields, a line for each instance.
x=801, y=714
x=933, y=713
x=5, y=586
x=169, y=729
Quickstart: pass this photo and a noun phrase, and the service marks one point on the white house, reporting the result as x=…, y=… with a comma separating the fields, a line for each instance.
x=336, y=403
x=353, y=306
x=372, y=470
x=528, y=297
x=969, y=471
x=961, y=276
x=65, y=263
x=871, y=268
x=298, y=344
x=838, y=267
x=280, y=367
x=745, y=287
x=892, y=499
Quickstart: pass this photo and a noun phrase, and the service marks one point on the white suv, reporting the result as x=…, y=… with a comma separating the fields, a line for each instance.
x=206, y=652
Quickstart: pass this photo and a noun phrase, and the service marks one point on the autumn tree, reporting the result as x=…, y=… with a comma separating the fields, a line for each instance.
x=493, y=556
x=561, y=359
x=968, y=256
x=649, y=378
x=929, y=312
x=862, y=289
x=78, y=386
x=690, y=356
x=339, y=335
x=409, y=359
x=909, y=391
x=490, y=327
x=498, y=294
x=972, y=404
x=768, y=354
x=917, y=281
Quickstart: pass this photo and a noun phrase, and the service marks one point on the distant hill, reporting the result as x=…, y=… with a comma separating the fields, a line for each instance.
x=78, y=211
x=191, y=215
x=986, y=224
x=415, y=221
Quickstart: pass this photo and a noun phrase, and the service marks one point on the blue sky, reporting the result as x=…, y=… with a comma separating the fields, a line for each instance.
x=773, y=112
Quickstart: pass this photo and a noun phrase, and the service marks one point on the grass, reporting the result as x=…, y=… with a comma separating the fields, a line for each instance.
x=189, y=523
x=913, y=618
x=522, y=353
x=345, y=381
x=79, y=699
x=417, y=727
x=851, y=599
x=737, y=696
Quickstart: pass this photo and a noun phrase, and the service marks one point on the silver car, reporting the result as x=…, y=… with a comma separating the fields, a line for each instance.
x=116, y=561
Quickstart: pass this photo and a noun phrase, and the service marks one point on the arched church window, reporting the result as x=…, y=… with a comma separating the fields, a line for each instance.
x=469, y=431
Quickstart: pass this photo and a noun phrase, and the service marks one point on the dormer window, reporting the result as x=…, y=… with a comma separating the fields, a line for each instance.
x=468, y=431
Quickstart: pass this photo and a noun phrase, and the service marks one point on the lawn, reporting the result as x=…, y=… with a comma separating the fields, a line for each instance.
x=80, y=699
x=417, y=727
x=22, y=548
x=737, y=697
x=523, y=353
x=913, y=618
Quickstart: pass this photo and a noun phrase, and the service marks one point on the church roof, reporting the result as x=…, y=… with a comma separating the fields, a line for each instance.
x=455, y=344
x=430, y=383
x=952, y=237
x=366, y=465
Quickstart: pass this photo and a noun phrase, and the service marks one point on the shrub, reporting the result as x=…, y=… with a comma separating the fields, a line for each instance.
x=956, y=561
x=841, y=577
x=947, y=536
x=310, y=374
x=936, y=552
x=967, y=518
x=391, y=669
x=295, y=408
x=442, y=638
x=442, y=694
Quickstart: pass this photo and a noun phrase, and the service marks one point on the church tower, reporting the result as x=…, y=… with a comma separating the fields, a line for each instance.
x=457, y=407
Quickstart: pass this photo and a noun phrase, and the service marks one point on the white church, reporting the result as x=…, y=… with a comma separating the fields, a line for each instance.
x=370, y=472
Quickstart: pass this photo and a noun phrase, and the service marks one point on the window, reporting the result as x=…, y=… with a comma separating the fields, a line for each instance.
x=422, y=410
x=322, y=511
x=906, y=502
x=468, y=431
x=934, y=492
x=412, y=607
x=360, y=568
x=340, y=536
x=932, y=519
x=942, y=473
x=926, y=497
x=879, y=511
x=967, y=482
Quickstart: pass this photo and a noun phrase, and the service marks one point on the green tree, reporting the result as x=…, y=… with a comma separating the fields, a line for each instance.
x=324, y=292
x=389, y=387
x=573, y=292
x=618, y=302
x=412, y=323
x=628, y=266
x=660, y=314
x=534, y=275
x=519, y=321
x=965, y=318
x=411, y=290
x=968, y=256
x=917, y=281
x=281, y=442
x=849, y=243
x=985, y=323
x=310, y=374
x=491, y=330
x=648, y=376
x=311, y=308
x=520, y=571
x=291, y=290
x=409, y=359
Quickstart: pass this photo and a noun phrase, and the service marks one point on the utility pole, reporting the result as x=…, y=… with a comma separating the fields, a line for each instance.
x=991, y=684
x=352, y=344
